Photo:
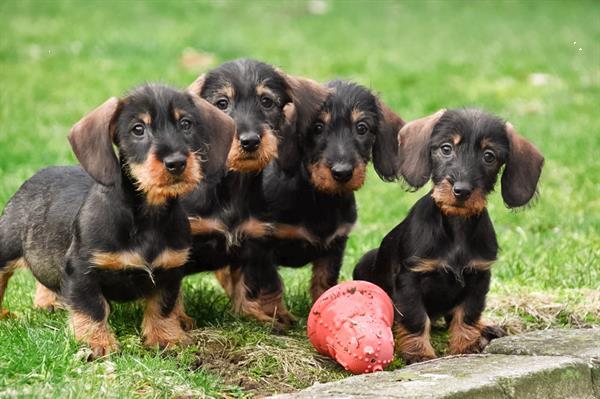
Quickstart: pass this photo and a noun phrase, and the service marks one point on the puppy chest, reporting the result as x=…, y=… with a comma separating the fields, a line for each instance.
x=147, y=260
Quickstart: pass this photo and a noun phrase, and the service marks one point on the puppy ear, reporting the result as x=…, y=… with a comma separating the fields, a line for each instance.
x=522, y=171
x=289, y=149
x=307, y=99
x=221, y=130
x=92, y=142
x=415, y=164
x=197, y=85
x=385, y=149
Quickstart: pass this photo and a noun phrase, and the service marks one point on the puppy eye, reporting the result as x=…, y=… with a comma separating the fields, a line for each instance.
x=266, y=102
x=222, y=104
x=185, y=124
x=318, y=128
x=362, y=128
x=138, y=130
x=489, y=156
x=446, y=148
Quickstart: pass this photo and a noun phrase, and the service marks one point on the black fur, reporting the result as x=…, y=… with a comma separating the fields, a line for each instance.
x=465, y=150
x=295, y=200
x=238, y=196
x=61, y=217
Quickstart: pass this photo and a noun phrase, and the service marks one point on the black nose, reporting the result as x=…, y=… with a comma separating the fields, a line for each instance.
x=249, y=141
x=342, y=172
x=462, y=190
x=175, y=163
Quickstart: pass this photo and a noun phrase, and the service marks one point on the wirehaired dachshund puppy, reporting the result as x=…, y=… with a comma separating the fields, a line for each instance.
x=268, y=107
x=437, y=261
x=118, y=232
x=312, y=209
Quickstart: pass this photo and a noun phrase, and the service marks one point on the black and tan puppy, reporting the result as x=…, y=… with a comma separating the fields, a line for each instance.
x=268, y=107
x=120, y=234
x=313, y=209
x=437, y=261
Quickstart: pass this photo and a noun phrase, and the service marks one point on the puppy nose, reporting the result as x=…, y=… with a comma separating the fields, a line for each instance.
x=462, y=190
x=249, y=141
x=342, y=172
x=175, y=163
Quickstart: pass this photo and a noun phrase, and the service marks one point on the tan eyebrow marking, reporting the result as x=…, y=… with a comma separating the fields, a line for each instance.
x=456, y=139
x=262, y=90
x=325, y=117
x=146, y=118
x=357, y=115
x=486, y=142
x=179, y=113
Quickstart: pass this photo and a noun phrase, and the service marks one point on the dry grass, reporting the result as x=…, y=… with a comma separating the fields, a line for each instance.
x=262, y=365
x=520, y=310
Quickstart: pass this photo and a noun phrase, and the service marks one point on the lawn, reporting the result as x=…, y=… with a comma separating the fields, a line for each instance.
x=536, y=64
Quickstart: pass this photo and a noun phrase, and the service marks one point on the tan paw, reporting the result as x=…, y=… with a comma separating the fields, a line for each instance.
x=5, y=314
x=102, y=349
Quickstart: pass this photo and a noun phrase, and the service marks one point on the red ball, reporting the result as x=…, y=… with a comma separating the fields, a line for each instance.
x=352, y=323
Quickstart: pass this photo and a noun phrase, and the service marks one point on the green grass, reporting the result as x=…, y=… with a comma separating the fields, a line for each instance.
x=60, y=59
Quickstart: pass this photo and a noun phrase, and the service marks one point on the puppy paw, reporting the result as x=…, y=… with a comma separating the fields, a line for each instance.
x=5, y=314
x=45, y=299
x=476, y=340
x=493, y=332
x=410, y=358
x=186, y=322
x=165, y=333
x=102, y=349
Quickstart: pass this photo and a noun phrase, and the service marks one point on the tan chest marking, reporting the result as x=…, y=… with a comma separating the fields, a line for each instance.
x=432, y=265
x=254, y=228
x=292, y=232
x=200, y=226
x=167, y=259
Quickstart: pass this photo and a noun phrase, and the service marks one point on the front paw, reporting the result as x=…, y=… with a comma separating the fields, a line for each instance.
x=101, y=349
x=283, y=321
x=489, y=333
x=186, y=322
x=6, y=314
x=410, y=358
x=165, y=333
x=474, y=339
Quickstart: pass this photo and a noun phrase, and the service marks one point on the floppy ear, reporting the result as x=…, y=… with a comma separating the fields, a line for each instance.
x=221, y=130
x=522, y=171
x=92, y=142
x=385, y=149
x=307, y=99
x=289, y=149
x=197, y=85
x=415, y=164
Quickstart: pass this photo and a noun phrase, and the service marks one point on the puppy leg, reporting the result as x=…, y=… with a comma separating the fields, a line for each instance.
x=223, y=276
x=88, y=308
x=412, y=325
x=187, y=323
x=161, y=325
x=468, y=333
x=326, y=270
x=6, y=273
x=414, y=343
x=45, y=298
x=258, y=293
x=89, y=321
